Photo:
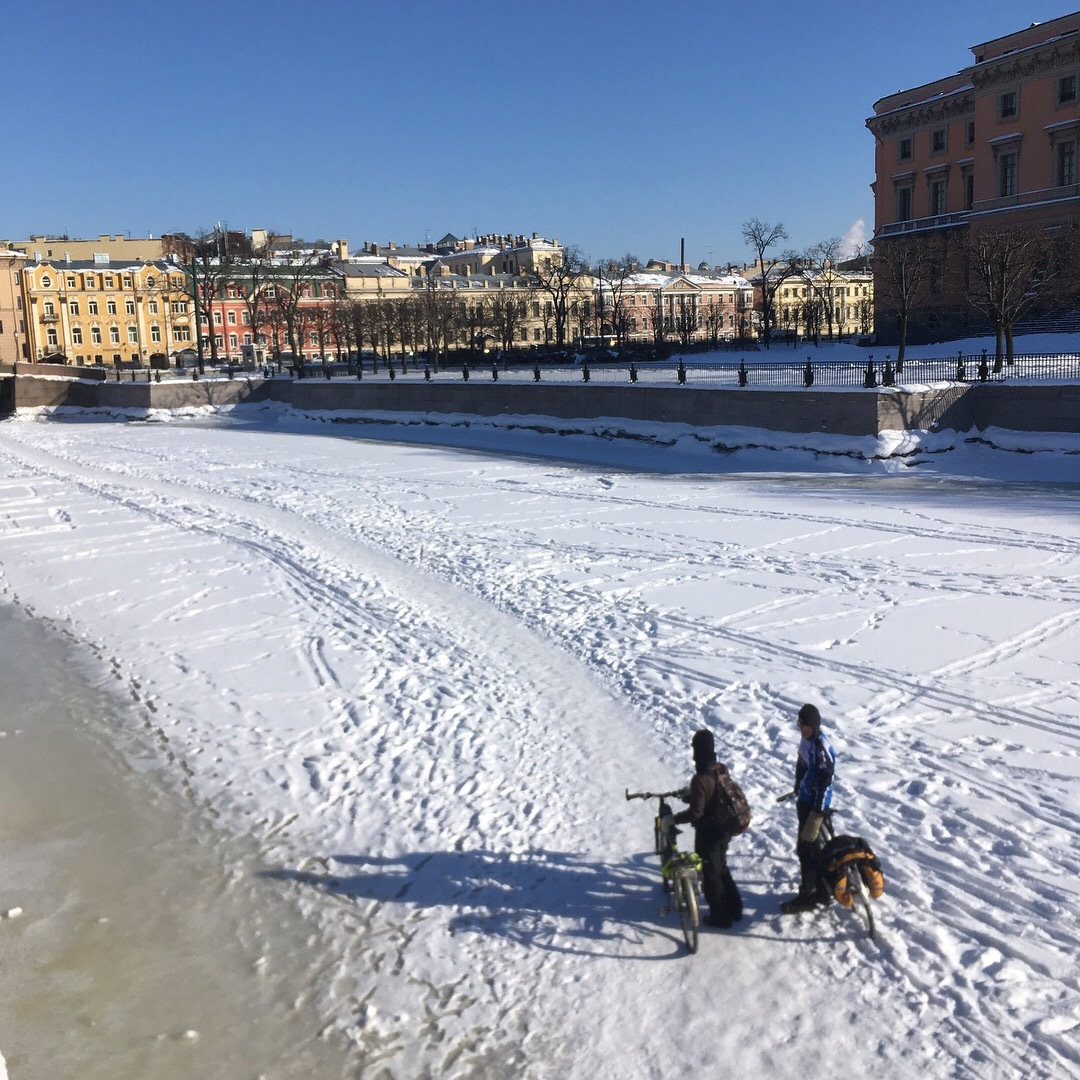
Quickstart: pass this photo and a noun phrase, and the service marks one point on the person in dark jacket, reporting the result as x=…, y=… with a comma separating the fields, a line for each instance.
x=718, y=811
x=814, y=770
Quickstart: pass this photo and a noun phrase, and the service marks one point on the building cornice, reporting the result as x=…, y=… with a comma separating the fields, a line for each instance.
x=1022, y=66
x=923, y=114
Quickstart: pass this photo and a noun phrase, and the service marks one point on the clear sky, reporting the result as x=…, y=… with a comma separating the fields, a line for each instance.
x=620, y=126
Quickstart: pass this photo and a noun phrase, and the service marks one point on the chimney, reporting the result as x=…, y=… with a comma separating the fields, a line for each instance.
x=343, y=250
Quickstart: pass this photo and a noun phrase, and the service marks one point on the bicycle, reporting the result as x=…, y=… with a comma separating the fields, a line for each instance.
x=681, y=869
x=856, y=887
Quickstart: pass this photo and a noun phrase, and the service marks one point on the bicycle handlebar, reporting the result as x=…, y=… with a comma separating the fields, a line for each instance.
x=652, y=794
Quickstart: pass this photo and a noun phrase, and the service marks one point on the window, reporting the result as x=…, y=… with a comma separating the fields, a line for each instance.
x=969, y=132
x=110, y=307
x=108, y=281
x=1065, y=165
x=129, y=306
x=232, y=341
x=179, y=307
x=938, y=141
x=152, y=305
x=71, y=284
x=232, y=318
x=51, y=337
x=1067, y=90
x=92, y=307
x=1009, y=105
x=48, y=308
x=46, y=282
x=89, y=282
x=73, y=307
x=1008, y=173
x=181, y=333
x=155, y=333
x=95, y=335
x=904, y=149
x=114, y=334
x=937, y=197
x=217, y=318
x=247, y=339
x=133, y=335
x=245, y=318
x=968, y=180
x=127, y=281
x=903, y=205
x=76, y=335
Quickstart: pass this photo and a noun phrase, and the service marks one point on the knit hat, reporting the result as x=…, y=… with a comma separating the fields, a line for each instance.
x=810, y=717
x=703, y=747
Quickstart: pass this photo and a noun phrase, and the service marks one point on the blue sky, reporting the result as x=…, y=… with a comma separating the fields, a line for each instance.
x=619, y=126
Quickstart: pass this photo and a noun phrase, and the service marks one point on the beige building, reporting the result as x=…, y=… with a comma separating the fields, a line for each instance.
x=100, y=312
x=13, y=343
x=117, y=248
x=828, y=303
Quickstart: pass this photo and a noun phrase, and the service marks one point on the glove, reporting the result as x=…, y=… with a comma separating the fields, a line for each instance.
x=811, y=827
x=684, y=795
x=667, y=822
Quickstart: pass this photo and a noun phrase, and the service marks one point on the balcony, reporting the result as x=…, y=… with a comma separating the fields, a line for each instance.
x=50, y=317
x=940, y=221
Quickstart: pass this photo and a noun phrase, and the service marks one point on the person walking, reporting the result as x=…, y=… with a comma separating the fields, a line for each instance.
x=718, y=811
x=814, y=771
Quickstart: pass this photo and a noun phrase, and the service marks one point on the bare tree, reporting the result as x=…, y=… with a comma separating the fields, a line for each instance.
x=1010, y=270
x=615, y=277
x=819, y=266
x=685, y=322
x=560, y=277
x=761, y=236
x=508, y=316
x=903, y=281
x=292, y=286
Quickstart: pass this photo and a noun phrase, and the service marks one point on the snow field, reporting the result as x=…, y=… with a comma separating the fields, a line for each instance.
x=424, y=678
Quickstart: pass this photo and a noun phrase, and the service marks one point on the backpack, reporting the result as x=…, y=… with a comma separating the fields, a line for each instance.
x=728, y=809
x=843, y=855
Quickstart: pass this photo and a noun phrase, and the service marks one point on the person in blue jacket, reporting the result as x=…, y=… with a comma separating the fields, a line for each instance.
x=814, y=770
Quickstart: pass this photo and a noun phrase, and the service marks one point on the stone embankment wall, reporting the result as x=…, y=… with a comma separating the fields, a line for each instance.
x=960, y=407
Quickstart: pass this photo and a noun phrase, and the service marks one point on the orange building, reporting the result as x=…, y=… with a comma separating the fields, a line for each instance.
x=997, y=143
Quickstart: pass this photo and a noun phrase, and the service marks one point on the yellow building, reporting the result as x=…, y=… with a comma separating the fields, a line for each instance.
x=100, y=312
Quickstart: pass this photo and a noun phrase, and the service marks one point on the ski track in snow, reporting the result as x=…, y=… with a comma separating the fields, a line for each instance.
x=461, y=661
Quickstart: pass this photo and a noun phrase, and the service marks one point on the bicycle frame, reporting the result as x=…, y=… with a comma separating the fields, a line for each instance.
x=681, y=870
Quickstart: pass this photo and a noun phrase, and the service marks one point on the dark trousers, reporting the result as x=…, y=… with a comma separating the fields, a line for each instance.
x=721, y=893
x=809, y=852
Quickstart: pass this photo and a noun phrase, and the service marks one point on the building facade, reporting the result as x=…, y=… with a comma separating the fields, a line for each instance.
x=13, y=341
x=993, y=145
x=667, y=305
x=98, y=312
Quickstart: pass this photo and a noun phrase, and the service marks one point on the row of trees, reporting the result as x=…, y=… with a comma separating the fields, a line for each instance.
x=1001, y=272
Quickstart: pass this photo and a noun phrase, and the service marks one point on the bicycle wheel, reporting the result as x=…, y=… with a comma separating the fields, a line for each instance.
x=687, y=906
x=861, y=900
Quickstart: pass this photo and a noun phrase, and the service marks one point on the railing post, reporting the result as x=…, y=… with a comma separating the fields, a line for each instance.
x=808, y=373
x=633, y=372
x=585, y=372
x=742, y=372
x=682, y=371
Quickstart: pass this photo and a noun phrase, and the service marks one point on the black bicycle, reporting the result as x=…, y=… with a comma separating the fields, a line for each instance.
x=681, y=869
